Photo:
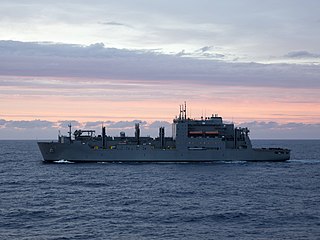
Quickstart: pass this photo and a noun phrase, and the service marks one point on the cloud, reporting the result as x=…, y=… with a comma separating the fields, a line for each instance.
x=49, y=49
x=206, y=52
x=41, y=129
x=99, y=61
x=183, y=53
x=302, y=54
x=125, y=124
x=275, y=130
x=2, y=122
x=244, y=28
x=158, y=124
x=262, y=125
x=117, y=24
x=66, y=123
x=205, y=49
x=23, y=124
x=96, y=124
x=276, y=125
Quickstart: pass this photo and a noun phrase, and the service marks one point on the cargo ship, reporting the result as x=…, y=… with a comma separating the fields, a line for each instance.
x=207, y=139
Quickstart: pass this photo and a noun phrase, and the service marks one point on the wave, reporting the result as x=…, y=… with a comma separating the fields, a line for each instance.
x=62, y=161
x=308, y=161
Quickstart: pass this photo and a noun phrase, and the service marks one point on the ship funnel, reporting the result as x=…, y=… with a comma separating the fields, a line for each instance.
x=137, y=133
x=161, y=137
x=70, y=131
x=104, y=142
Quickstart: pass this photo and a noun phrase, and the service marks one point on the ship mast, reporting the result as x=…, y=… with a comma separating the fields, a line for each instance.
x=183, y=111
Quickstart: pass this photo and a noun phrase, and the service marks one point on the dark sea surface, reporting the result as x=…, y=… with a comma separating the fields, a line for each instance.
x=160, y=201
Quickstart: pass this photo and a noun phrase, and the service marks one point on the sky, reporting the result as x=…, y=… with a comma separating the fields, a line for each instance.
x=117, y=63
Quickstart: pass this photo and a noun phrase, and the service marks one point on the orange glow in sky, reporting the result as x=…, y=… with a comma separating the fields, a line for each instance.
x=93, y=100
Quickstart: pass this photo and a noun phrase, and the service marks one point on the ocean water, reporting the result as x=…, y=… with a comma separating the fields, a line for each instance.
x=160, y=201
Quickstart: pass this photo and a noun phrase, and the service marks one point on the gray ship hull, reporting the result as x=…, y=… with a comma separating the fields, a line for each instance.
x=79, y=152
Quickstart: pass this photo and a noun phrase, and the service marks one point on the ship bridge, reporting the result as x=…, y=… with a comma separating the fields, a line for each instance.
x=208, y=132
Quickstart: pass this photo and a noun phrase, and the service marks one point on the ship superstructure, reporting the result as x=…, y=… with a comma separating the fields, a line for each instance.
x=206, y=139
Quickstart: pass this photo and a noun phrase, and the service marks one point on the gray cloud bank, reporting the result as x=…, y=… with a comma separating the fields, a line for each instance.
x=290, y=130
x=98, y=61
x=40, y=129
x=302, y=54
